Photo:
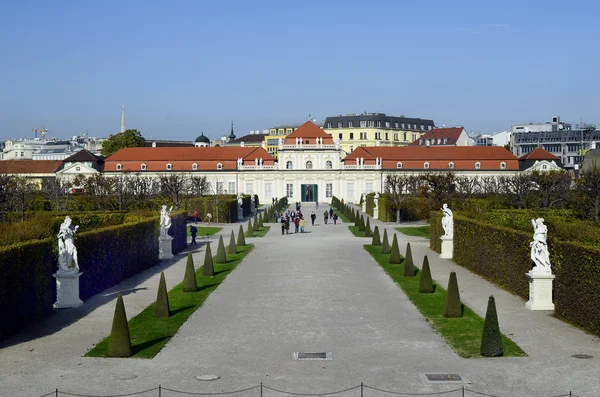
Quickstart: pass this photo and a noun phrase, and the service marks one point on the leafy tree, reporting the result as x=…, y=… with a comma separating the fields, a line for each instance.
x=128, y=138
x=5, y=195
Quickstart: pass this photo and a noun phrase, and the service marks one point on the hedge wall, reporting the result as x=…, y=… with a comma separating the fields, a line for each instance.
x=370, y=205
x=179, y=230
x=502, y=256
x=436, y=231
x=385, y=213
x=227, y=208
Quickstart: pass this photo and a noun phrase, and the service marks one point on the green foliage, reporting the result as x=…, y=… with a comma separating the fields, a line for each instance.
x=227, y=207
x=208, y=268
x=437, y=231
x=453, y=307
x=128, y=138
x=368, y=232
x=250, y=232
x=241, y=240
x=189, y=279
x=361, y=223
x=231, y=248
x=419, y=231
x=370, y=203
x=395, y=257
x=357, y=218
x=425, y=282
x=376, y=239
x=119, y=343
x=491, y=341
x=221, y=257
x=162, y=299
x=409, y=267
x=385, y=245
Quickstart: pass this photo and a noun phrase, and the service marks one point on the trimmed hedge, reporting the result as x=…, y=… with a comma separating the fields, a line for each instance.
x=227, y=208
x=370, y=205
x=436, y=231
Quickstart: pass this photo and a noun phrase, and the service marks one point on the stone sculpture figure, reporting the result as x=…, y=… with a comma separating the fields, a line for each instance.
x=240, y=201
x=67, y=252
x=280, y=142
x=376, y=198
x=165, y=221
x=256, y=161
x=448, y=222
x=539, y=247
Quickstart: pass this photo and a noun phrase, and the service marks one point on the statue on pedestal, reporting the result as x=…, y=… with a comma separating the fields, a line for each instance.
x=240, y=201
x=448, y=222
x=165, y=221
x=376, y=198
x=539, y=247
x=67, y=252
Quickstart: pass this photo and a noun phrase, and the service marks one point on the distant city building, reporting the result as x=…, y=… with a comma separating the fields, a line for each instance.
x=455, y=136
x=552, y=126
x=375, y=129
x=539, y=160
x=496, y=139
x=279, y=131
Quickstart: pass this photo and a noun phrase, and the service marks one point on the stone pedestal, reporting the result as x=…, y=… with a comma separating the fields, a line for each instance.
x=67, y=290
x=447, y=247
x=252, y=207
x=364, y=205
x=376, y=213
x=540, y=291
x=165, y=247
x=240, y=214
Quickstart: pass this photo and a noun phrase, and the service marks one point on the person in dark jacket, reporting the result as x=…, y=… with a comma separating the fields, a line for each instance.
x=193, y=232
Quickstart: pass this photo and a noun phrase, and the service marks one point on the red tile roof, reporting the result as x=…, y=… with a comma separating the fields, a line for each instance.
x=308, y=132
x=539, y=154
x=452, y=134
x=29, y=166
x=438, y=157
x=182, y=158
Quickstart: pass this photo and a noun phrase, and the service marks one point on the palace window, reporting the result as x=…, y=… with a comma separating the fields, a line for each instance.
x=387, y=136
x=350, y=190
x=340, y=124
x=445, y=141
x=328, y=164
x=451, y=165
x=119, y=167
x=399, y=164
x=268, y=190
x=377, y=136
x=429, y=128
x=503, y=165
x=422, y=127
x=387, y=124
x=395, y=136
x=289, y=165
x=363, y=123
x=340, y=136
x=350, y=124
x=232, y=188
x=219, y=166
x=351, y=136
x=144, y=167
x=329, y=124
x=396, y=124
x=309, y=165
x=402, y=125
x=405, y=139
x=378, y=124
x=478, y=165
x=371, y=123
x=289, y=190
x=194, y=167
x=79, y=168
x=169, y=167
x=369, y=187
x=426, y=165
x=329, y=190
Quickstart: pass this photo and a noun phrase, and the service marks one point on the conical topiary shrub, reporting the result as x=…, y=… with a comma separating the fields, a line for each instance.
x=491, y=341
x=395, y=258
x=426, y=283
x=256, y=224
x=189, y=279
x=241, y=240
x=208, y=268
x=357, y=221
x=453, y=307
x=361, y=224
x=376, y=240
x=119, y=343
x=261, y=219
x=221, y=256
x=250, y=232
x=231, y=248
x=368, y=232
x=162, y=299
x=385, y=245
x=409, y=267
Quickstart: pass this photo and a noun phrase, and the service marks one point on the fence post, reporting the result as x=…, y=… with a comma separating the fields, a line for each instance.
x=463, y=391
x=159, y=390
x=56, y=393
x=261, y=389
x=361, y=389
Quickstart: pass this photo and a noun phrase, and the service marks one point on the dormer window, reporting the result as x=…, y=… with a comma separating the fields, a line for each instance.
x=451, y=165
x=426, y=165
x=169, y=167
x=219, y=166
x=144, y=167
x=194, y=167
x=503, y=165
x=289, y=165
x=119, y=167
x=478, y=165
x=544, y=167
x=399, y=164
x=309, y=165
x=328, y=164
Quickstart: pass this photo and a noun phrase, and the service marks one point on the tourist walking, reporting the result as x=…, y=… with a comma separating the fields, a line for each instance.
x=196, y=216
x=313, y=217
x=193, y=232
x=287, y=225
x=302, y=223
x=330, y=212
x=209, y=217
x=335, y=218
x=282, y=225
x=317, y=205
x=325, y=216
x=296, y=224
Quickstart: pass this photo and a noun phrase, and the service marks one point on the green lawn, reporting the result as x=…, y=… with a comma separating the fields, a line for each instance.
x=462, y=334
x=260, y=233
x=149, y=334
x=204, y=231
x=420, y=231
x=356, y=232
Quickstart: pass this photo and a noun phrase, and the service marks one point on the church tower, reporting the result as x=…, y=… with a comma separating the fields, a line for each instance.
x=231, y=134
x=123, y=119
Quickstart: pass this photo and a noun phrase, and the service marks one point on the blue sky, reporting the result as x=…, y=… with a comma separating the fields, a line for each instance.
x=183, y=67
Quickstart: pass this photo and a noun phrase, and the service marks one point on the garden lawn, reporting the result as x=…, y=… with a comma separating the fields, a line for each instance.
x=261, y=232
x=150, y=334
x=420, y=231
x=462, y=334
x=356, y=232
x=204, y=231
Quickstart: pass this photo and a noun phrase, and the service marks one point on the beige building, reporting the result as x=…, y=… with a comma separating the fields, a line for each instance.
x=375, y=129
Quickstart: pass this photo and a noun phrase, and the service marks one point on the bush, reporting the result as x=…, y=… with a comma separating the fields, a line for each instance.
x=227, y=207
x=453, y=307
x=491, y=341
x=426, y=283
x=119, y=343
x=189, y=278
x=409, y=267
x=162, y=299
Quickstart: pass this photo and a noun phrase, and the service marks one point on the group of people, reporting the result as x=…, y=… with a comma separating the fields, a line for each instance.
x=295, y=217
x=208, y=218
x=330, y=214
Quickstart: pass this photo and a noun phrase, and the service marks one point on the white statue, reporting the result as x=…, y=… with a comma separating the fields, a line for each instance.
x=338, y=142
x=256, y=161
x=67, y=252
x=165, y=220
x=261, y=161
x=358, y=161
x=253, y=198
x=376, y=198
x=448, y=222
x=362, y=161
x=240, y=201
x=539, y=247
x=363, y=197
x=297, y=141
x=280, y=142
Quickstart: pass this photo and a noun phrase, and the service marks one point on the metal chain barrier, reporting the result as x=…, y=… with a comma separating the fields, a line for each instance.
x=413, y=394
x=210, y=394
x=113, y=395
x=310, y=395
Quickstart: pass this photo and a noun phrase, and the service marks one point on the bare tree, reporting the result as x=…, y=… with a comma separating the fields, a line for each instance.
x=588, y=189
x=5, y=194
x=22, y=193
x=553, y=188
x=99, y=189
x=492, y=186
x=199, y=185
x=519, y=187
x=396, y=188
x=439, y=187
x=141, y=189
x=57, y=190
x=122, y=190
x=174, y=185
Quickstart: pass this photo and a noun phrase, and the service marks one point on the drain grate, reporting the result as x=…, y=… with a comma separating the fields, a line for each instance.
x=443, y=377
x=312, y=356
x=583, y=356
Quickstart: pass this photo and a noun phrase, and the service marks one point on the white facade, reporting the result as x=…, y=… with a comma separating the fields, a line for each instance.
x=554, y=125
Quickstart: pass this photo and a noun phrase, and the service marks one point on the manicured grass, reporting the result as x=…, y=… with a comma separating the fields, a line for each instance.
x=356, y=232
x=462, y=334
x=260, y=232
x=420, y=231
x=150, y=334
x=204, y=230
